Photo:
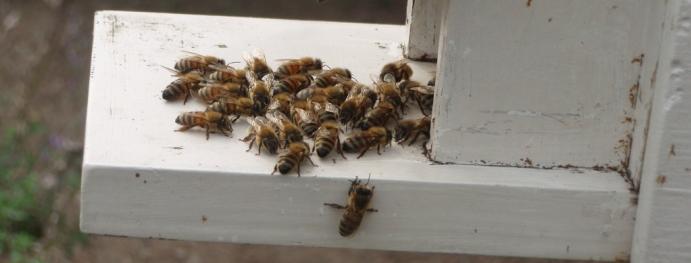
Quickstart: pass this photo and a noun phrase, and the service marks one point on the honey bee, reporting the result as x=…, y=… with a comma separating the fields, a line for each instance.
x=291, y=84
x=334, y=94
x=362, y=141
x=378, y=116
x=358, y=203
x=326, y=137
x=261, y=133
x=293, y=157
x=182, y=86
x=197, y=62
x=226, y=73
x=259, y=93
x=332, y=77
x=388, y=92
x=359, y=100
x=306, y=120
x=204, y=119
x=298, y=66
x=326, y=112
x=397, y=69
x=412, y=128
x=240, y=106
x=424, y=96
x=257, y=63
x=211, y=92
x=404, y=88
x=288, y=132
x=281, y=102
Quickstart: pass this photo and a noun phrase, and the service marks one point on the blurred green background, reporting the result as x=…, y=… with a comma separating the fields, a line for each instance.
x=45, y=50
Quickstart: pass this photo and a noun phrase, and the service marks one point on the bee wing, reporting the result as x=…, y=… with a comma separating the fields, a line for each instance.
x=330, y=107
x=286, y=59
x=224, y=68
x=277, y=118
x=307, y=116
x=175, y=72
x=247, y=58
x=389, y=78
x=305, y=93
x=269, y=79
x=251, y=78
x=427, y=90
x=259, y=53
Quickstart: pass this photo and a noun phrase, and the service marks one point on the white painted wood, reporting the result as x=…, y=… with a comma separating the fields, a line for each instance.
x=183, y=178
x=424, y=24
x=663, y=222
x=543, y=83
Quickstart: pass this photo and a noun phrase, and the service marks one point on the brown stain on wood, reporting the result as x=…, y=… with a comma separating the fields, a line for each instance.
x=661, y=179
x=627, y=120
x=638, y=60
x=204, y=219
x=672, y=152
x=136, y=175
x=528, y=3
x=633, y=94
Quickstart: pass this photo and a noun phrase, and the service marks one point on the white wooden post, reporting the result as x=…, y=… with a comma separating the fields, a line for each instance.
x=663, y=223
x=545, y=83
x=424, y=24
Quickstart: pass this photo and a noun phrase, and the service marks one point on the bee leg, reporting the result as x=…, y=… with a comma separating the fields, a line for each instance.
x=337, y=206
x=207, y=132
x=251, y=144
x=422, y=109
x=235, y=119
x=224, y=132
x=299, y=162
x=338, y=148
x=187, y=96
x=259, y=148
x=275, y=168
x=378, y=147
x=310, y=159
x=372, y=210
x=417, y=134
x=184, y=128
x=363, y=152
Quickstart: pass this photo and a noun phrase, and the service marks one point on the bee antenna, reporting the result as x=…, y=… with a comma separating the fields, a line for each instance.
x=368, y=177
x=326, y=66
x=232, y=62
x=177, y=73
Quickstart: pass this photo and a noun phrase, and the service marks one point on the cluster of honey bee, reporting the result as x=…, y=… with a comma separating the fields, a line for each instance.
x=305, y=100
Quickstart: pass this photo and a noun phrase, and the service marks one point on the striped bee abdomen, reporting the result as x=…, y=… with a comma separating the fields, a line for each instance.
x=350, y=222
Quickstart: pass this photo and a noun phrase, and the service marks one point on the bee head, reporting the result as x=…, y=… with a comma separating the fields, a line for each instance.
x=322, y=152
x=178, y=120
x=400, y=132
x=221, y=61
x=388, y=136
x=318, y=63
x=295, y=137
x=349, y=75
x=271, y=144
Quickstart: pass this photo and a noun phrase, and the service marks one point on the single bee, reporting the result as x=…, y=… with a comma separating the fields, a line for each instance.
x=293, y=157
x=306, y=120
x=424, y=96
x=259, y=93
x=211, y=92
x=388, y=92
x=205, y=119
x=257, y=63
x=281, y=102
x=261, y=133
x=332, y=77
x=432, y=81
x=240, y=106
x=412, y=128
x=359, y=100
x=298, y=66
x=326, y=112
x=357, y=204
x=378, y=116
x=226, y=73
x=404, y=88
x=398, y=69
x=291, y=84
x=335, y=94
x=288, y=131
x=197, y=62
x=361, y=141
x=326, y=137
x=182, y=86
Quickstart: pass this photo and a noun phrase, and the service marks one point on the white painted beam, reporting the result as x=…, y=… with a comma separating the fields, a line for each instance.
x=544, y=83
x=663, y=223
x=423, y=21
x=141, y=179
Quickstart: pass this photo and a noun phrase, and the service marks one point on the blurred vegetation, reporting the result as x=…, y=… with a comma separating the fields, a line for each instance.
x=25, y=208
